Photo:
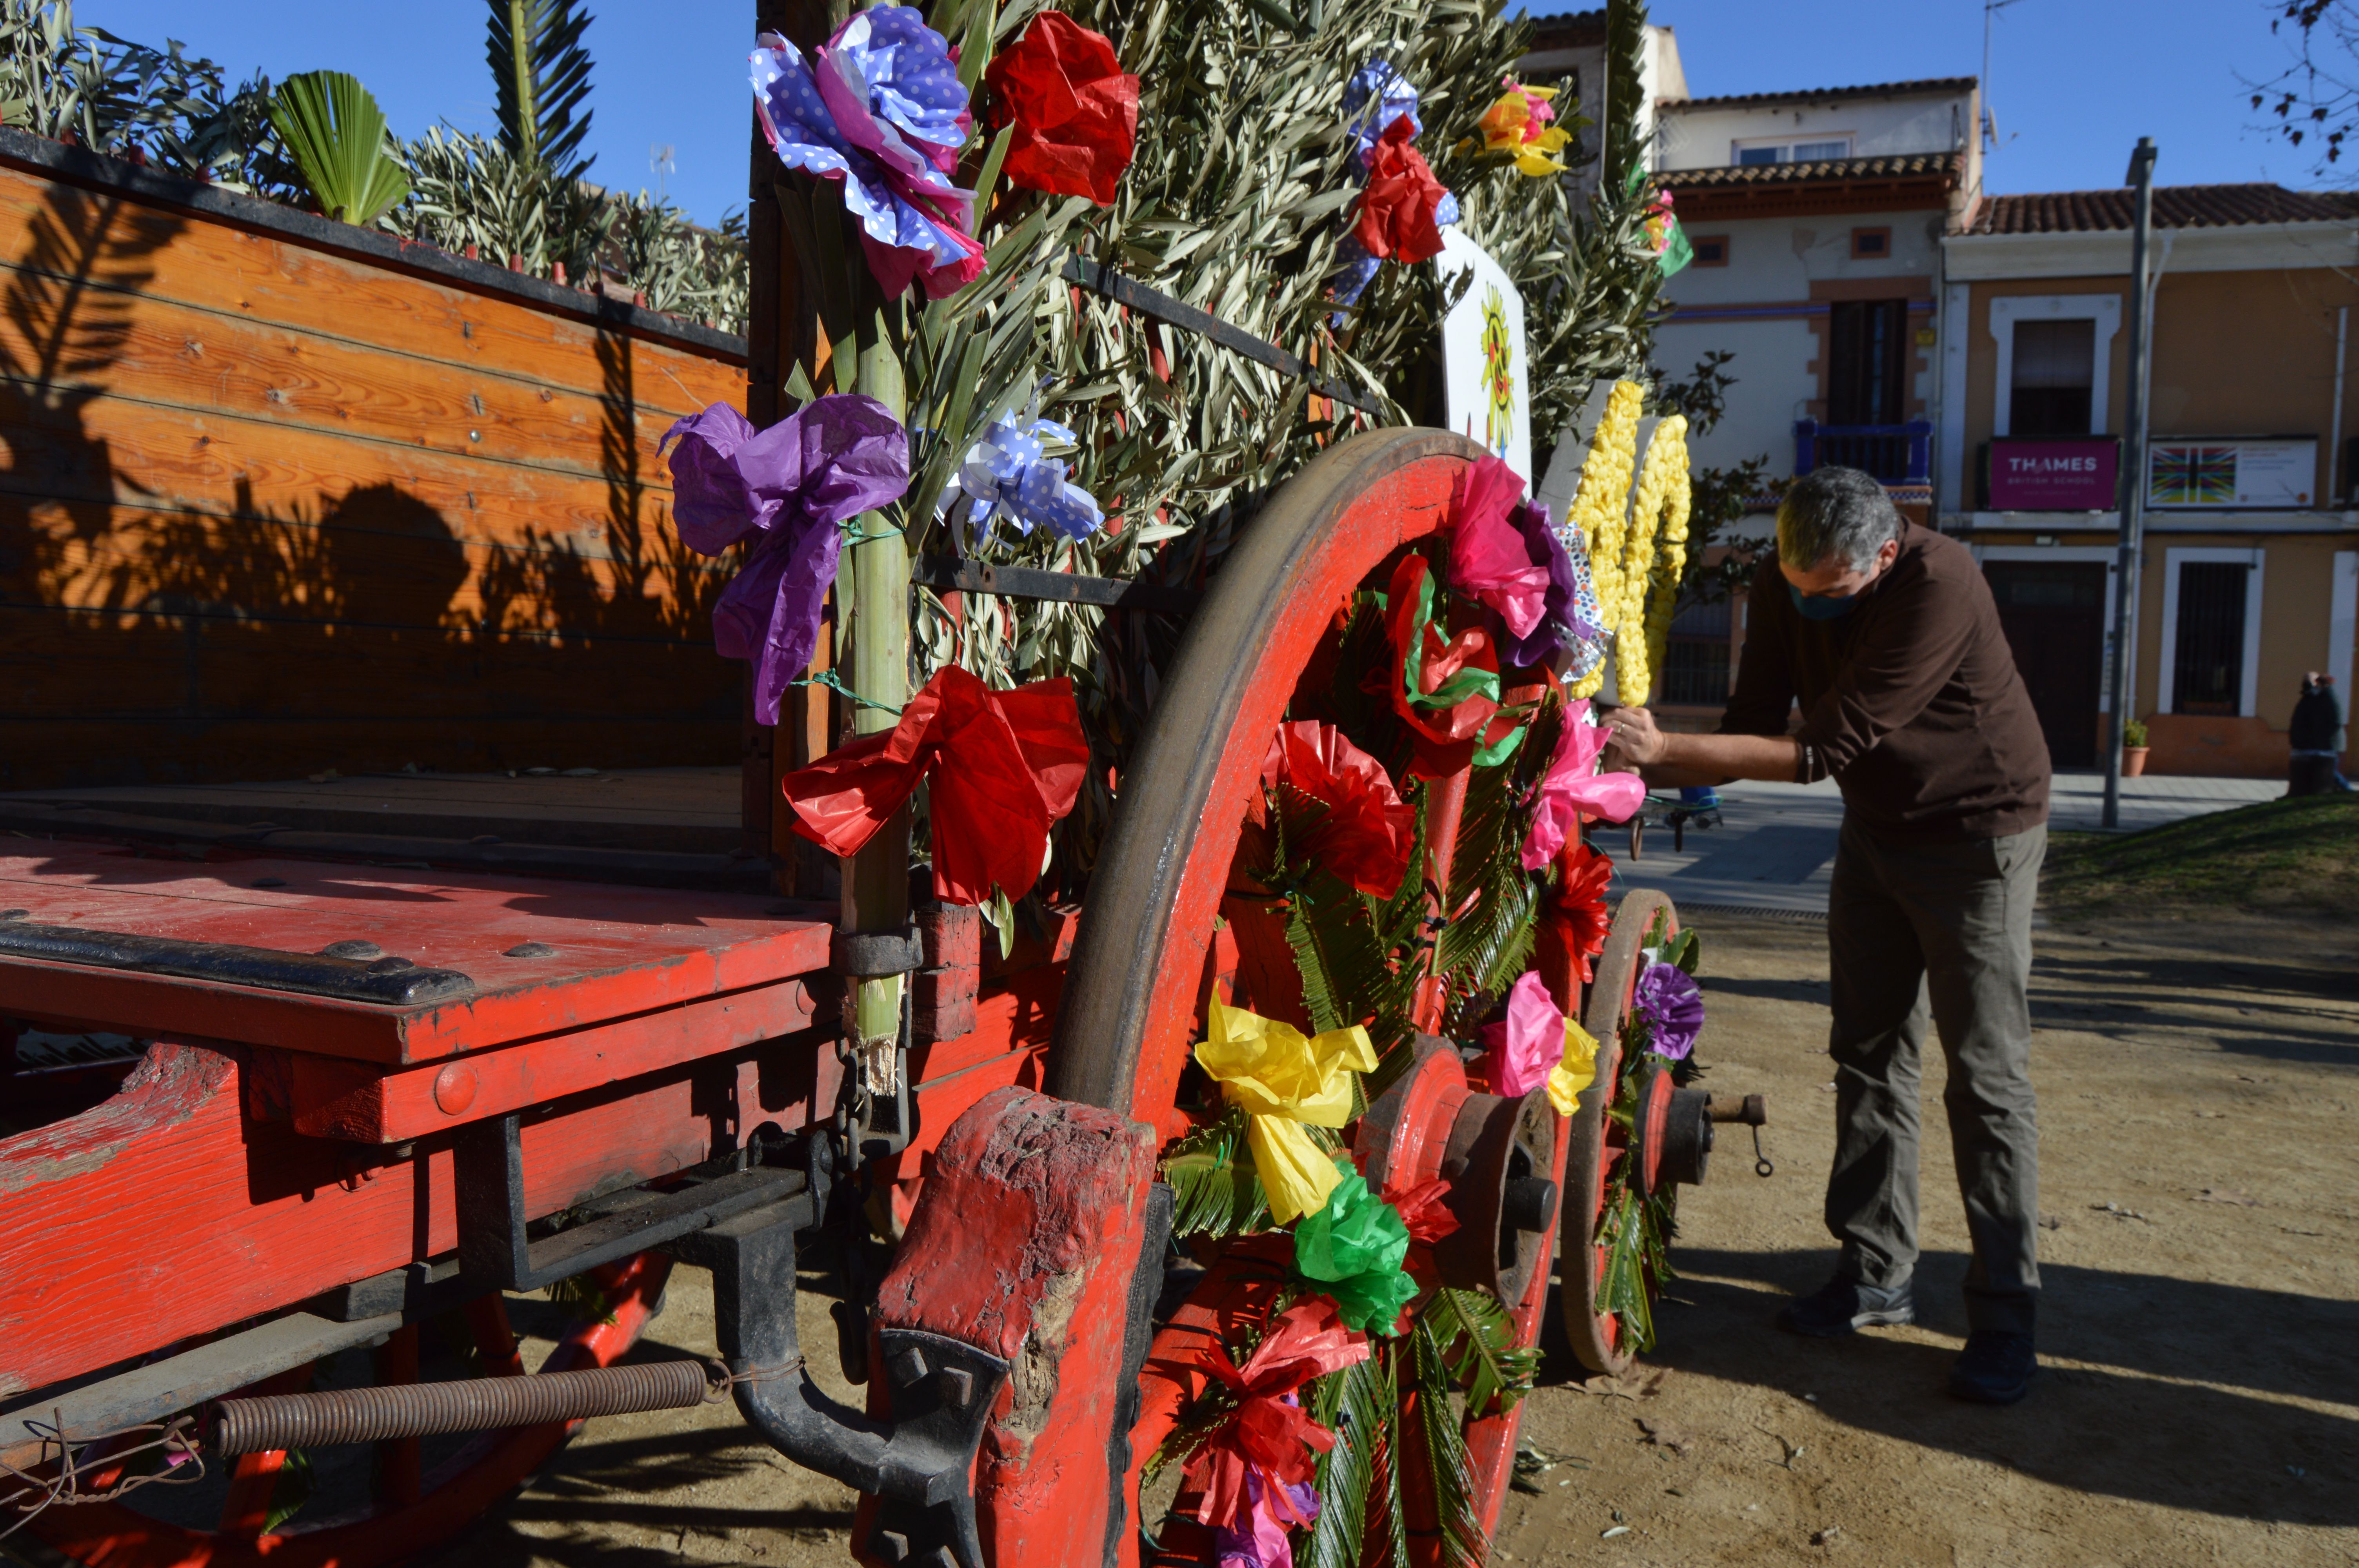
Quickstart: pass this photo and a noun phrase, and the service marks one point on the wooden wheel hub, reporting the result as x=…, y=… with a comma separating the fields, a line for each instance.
x=1497, y=1153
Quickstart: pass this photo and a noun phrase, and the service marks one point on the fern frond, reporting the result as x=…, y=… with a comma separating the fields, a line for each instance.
x=1215, y=1190
x=1478, y=1339
x=1443, y=1441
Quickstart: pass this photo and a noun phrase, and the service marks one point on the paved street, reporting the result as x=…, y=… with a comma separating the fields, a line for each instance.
x=1776, y=846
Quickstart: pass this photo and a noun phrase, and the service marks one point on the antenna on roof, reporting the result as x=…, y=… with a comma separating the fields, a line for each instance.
x=1991, y=8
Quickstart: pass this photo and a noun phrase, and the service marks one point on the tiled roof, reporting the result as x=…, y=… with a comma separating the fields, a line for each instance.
x=1574, y=30
x=2175, y=207
x=1907, y=165
x=1925, y=88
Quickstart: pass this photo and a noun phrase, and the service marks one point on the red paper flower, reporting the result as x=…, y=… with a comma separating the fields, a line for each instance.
x=1271, y=1433
x=1574, y=919
x=1459, y=703
x=1398, y=207
x=1013, y=766
x=1075, y=109
x=1367, y=831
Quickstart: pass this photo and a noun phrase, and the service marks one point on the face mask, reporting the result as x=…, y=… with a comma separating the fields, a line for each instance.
x=1822, y=607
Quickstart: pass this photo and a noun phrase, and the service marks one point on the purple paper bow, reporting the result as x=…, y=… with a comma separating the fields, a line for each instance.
x=1673, y=1004
x=1258, y=1538
x=791, y=485
x=880, y=107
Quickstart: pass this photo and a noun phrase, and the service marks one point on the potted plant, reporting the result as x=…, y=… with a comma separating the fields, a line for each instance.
x=2134, y=747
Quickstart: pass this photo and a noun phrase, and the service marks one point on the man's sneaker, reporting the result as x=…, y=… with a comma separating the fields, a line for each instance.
x=1843, y=1306
x=1994, y=1368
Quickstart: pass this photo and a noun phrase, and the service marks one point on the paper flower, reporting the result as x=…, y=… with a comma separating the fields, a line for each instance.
x=1367, y=831
x=1412, y=208
x=1010, y=766
x=1424, y=1209
x=1282, y=1082
x=1352, y=1247
x=1673, y=1004
x=1573, y=916
x=1075, y=109
x=1269, y=1434
x=1573, y=786
x=1376, y=96
x=1489, y=557
x=789, y=485
x=1008, y=474
x=1447, y=692
x=1399, y=216
x=1537, y=1045
x=1518, y=124
x=879, y=106
x=1260, y=1539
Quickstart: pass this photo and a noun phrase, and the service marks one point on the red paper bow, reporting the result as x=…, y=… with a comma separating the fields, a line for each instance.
x=1397, y=208
x=1075, y=109
x=1369, y=830
x=1446, y=738
x=1013, y=766
x=1574, y=919
x=1270, y=1432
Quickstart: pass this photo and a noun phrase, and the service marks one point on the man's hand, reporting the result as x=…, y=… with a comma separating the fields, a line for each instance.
x=1636, y=743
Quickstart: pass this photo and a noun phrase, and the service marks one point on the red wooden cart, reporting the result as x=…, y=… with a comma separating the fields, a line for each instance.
x=372, y=1096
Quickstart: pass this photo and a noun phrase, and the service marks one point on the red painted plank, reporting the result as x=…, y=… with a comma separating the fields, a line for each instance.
x=619, y=950
x=164, y=1212
x=336, y=1098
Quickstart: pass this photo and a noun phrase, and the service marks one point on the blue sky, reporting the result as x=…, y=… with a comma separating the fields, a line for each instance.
x=2075, y=82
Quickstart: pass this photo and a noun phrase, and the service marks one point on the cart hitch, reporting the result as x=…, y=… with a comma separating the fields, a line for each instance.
x=1008, y=1339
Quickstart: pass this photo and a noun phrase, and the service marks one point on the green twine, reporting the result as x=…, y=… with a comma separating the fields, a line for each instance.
x=827, y=679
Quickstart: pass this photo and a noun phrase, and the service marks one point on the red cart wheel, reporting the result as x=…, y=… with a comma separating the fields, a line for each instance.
x=1596, y=1142
x=410, y=1510
x=1145, y=957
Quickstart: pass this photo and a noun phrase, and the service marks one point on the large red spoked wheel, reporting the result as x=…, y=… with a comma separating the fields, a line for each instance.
x=1597, y=1144
x=409, y=1509
x=1147, y=953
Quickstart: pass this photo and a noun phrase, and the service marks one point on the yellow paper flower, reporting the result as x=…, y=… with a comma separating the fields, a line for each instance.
x=1282, y=1080
x=1600, y=508
x=1518, y=124
x=1576, y=1072
x=1649, y=564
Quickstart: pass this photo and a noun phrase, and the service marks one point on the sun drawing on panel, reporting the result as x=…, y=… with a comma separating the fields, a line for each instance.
x=1498, y=373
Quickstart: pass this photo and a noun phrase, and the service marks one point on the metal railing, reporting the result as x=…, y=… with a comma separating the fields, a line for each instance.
x=1893, y=454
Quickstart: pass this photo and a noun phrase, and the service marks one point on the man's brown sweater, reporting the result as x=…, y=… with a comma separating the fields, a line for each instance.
x=1911, y=700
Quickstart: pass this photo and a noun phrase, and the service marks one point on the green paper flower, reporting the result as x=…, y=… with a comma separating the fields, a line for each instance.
x=1352, y=1246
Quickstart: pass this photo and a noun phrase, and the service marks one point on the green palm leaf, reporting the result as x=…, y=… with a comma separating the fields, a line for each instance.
x=1215, y=1189
x=335, y=133
x=1478, y=1339
x=541, y=73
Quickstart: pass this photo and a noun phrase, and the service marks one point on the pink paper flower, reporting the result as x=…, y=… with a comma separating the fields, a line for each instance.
x=1573, y=787
x=1527, y=1043
x=1488, y=555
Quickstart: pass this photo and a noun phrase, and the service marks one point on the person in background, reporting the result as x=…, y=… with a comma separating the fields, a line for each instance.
x=1887, y=636
x=2316, y=735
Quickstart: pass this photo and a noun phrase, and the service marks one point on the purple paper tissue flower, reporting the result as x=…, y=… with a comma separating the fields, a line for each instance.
x=1673, y=1004
x=880, y=107
x=1258, y=1539
x=1561, y=625
x=789, y=485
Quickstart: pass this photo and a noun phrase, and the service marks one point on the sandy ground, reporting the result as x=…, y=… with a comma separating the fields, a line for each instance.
x=2200, y=1400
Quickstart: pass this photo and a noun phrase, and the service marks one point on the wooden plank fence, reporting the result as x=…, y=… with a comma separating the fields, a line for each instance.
x=279, y=495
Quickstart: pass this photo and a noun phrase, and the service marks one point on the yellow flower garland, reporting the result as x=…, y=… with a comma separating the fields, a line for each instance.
x=1662, y=502
x=1601, y=507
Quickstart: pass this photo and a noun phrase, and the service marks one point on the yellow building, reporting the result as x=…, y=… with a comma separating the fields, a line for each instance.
x=2250, y=566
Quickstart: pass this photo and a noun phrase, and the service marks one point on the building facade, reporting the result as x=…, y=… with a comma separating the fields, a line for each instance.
x=2250, y=568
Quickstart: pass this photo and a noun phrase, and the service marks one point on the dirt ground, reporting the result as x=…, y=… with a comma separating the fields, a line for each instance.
x=2199, y=1334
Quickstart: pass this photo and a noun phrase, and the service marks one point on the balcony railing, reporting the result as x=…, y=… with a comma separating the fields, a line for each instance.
x=1892, y=454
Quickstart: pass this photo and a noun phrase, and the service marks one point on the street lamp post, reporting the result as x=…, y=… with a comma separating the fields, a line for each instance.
x=2133, y=482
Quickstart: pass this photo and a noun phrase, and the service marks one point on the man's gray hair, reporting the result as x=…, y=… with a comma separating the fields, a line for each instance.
x=1832, y=512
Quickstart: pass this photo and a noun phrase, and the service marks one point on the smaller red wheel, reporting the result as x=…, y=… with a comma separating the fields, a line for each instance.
x=1595, y=1142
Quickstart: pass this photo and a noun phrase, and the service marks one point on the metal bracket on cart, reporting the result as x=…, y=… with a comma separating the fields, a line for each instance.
x=859, y=956
x=941, y=1391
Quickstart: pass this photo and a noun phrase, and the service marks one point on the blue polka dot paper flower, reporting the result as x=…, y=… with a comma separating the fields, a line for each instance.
x=880, y=107
x=1008, y=473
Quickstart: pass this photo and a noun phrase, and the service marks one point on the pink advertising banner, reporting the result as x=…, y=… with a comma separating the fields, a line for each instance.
x=2065, y=473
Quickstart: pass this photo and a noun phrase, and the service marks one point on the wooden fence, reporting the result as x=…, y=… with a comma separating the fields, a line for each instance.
x=280, y=494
